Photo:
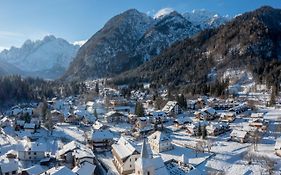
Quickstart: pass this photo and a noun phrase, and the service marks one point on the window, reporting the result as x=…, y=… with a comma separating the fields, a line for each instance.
x=14, y=172
x=148, y=173
x=130, y=166
x=6, y=173
x=136, y=159
x=29, y=153
x=34, y=153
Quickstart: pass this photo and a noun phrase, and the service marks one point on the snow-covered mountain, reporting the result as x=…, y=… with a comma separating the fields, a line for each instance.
x=47, y=58
x=169, y=27
x=109, y=50
x=131, y=38
x=205, y=19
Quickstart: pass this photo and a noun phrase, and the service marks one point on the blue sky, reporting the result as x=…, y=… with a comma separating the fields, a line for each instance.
x=76, y=20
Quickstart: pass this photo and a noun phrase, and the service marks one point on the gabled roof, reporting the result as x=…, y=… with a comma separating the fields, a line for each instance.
x=62, y=170
x=238, y=133
x=169, y=106
x=84, y=168
x=99, y=135
x=71, y=146
x=124, y=148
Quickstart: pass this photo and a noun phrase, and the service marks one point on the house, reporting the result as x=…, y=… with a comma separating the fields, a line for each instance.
x=57, y=116
x=148, y=165
x=123, y=109
x=142, y=122
x=114, y=116
x=30, y=127
x=278, y=146
x=181, y=166
x=159, y=116
x=74, y=153
x=239, y=109
x=9, y=166
x=62, y=170
x=206, y=114
x=182, y=119
x=217, y=128
x=124, y=156
x=101, y=140
x=239, y=136
x=193, y=128
x=172, y=108
x=259, y=123
x=33, y=151
x=257, y=115
x=71, y=118
x=85, y=168
x=228, y=117
x=160, y=142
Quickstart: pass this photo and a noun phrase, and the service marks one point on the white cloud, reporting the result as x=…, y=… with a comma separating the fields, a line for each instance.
x=80, y=43
x=163, y=12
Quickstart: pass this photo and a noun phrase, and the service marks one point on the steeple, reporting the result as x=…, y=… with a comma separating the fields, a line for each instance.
x=144, y=152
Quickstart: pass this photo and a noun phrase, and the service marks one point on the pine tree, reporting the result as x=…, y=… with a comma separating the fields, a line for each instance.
x=199, y=133
x=139, y=111
x=97, y=88
x=204, y=132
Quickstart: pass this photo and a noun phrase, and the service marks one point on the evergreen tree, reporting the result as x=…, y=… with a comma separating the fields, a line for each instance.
x=204, y=132
x=97, y=88
x=139, y=110
x=199, y=133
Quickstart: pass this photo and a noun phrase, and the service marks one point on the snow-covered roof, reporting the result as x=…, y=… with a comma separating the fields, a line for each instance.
x=209, y=110
x=100, y=135
x=71, y=146
x=238, y=133
x=84, y=168
x=182, y=119
x=8, y=165
x=29, y=126
x=90, y=103
x=169, y=106
x=124, y=148
x=62, y=170
x=33, y=146
x=36, y=169
x=257, y=115
x=159, y=137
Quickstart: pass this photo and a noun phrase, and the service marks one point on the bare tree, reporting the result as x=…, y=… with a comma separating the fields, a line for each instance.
x=209, y=144
x=49, y=122
x=199, y=147
x=256, y=136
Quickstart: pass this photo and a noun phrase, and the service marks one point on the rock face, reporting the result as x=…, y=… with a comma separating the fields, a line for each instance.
x=109, y=51
x=128, y=40
x=167, y=30
x=47, y=58
x=251, y=42
x=205, y=19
